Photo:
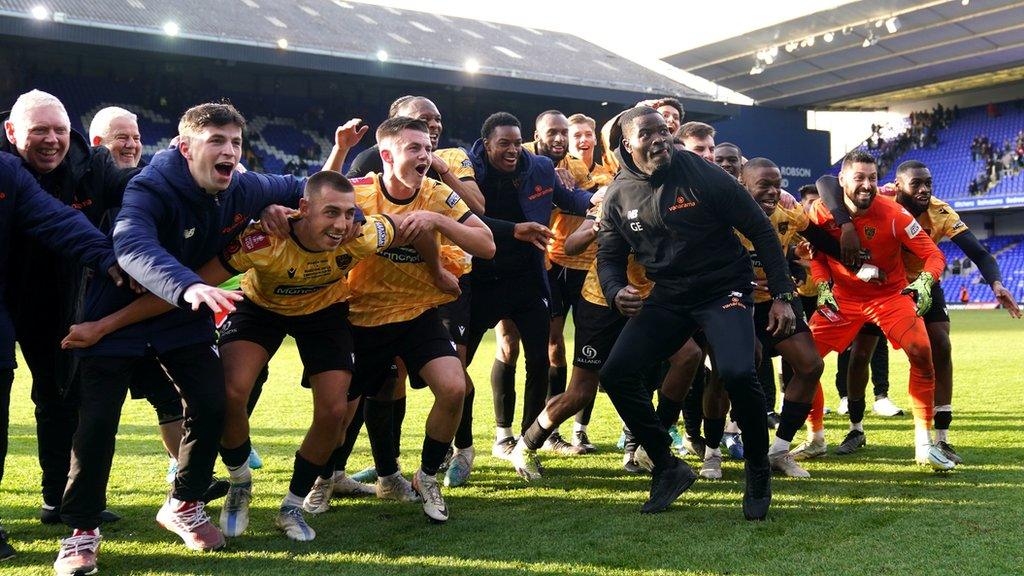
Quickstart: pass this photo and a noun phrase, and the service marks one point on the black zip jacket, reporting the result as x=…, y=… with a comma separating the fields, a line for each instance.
x=679, y=222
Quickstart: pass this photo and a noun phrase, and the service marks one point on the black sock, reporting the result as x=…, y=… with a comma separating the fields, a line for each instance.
x=792, y=418
x=668, y=410
x=304, y=474
x=556, y=380
x=503, y=388
x=339, y=458
x=856, y=407
x=379, y=428
x=399, y=417
x=235, y=457
x=433, y=454
x=464, y=434
x=942, y=420
x=535, y=435
x=693, y=405
x=714, y=429
x=583, y=416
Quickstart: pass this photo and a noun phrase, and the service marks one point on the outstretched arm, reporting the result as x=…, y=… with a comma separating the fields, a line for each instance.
x=147, y=306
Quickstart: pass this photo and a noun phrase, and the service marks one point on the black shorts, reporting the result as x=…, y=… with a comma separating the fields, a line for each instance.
x=768, y=341
x=810, y=304
x=324, y=338
x=597, y=329
x=566, y=286
x=416, y=342
x=938, y=311
x=455, y=314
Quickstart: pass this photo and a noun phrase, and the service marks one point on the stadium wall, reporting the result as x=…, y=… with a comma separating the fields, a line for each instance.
x=782, y=136
x=988, y=224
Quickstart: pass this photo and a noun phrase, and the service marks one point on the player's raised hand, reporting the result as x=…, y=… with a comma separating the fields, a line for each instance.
x=274, y=220
x=350, y=133
x=1004, y=298
x=82, y=335
x=537, y=234
x=216, y=299
x=598, y=196
x=628, y=301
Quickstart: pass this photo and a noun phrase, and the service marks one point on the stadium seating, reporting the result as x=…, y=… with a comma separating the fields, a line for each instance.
x=950, y=162
x=1009, y=252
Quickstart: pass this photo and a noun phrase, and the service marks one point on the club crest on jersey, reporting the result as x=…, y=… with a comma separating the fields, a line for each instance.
x=783, y=227
x=343, y=261
x=190, y=232
x=452, y=200
x=869, y=232
x=255, y=241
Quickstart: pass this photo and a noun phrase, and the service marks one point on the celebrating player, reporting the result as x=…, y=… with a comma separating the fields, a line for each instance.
x=877, y=292
x=913, y=191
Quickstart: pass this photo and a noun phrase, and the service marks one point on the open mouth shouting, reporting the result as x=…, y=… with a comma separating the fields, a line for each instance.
x=224, y=169
x=422, y=168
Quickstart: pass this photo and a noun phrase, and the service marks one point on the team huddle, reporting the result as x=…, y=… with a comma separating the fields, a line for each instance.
x=685, y=266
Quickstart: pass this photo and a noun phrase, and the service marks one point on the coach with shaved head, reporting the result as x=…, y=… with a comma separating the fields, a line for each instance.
x=676, y=213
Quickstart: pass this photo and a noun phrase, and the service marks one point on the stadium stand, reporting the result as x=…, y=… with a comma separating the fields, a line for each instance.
x=950, y=158
x=1009, y=253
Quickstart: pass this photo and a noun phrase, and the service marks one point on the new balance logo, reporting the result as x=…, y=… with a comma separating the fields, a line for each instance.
x=632, y=214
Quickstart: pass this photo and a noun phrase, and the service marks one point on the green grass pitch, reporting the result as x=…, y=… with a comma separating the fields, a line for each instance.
x=871, y=513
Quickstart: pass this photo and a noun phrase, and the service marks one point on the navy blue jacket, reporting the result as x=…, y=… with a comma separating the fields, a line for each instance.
x=27, y=208
x=539, y=191
x=167, y=228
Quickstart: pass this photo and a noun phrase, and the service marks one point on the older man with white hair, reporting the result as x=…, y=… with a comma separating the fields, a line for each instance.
x=44, y=286
x=117, y=130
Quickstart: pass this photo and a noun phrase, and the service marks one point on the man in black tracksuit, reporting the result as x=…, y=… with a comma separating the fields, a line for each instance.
x=677, y=213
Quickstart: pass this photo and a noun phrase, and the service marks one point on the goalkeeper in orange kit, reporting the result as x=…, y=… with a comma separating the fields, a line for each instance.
x=876, y=292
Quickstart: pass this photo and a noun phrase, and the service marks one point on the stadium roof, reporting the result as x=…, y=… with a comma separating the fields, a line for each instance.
x=348, y=37
x=858, y=54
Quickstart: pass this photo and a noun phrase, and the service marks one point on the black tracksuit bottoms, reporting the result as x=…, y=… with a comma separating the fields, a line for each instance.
x=661, y=327
x=524, y=301
x=197, y=371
